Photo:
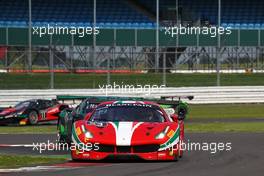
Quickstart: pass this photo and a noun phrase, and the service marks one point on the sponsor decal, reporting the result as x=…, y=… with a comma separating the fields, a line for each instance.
x=78, y=131
x=138, y=104
x=169, y=111
x=171, y=141
x=170, y=134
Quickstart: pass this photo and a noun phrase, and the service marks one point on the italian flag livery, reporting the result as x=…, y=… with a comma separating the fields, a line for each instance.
x=149, y=139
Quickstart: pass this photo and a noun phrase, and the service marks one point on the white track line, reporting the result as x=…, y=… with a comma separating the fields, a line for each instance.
x=17, y=145
x=31, y=169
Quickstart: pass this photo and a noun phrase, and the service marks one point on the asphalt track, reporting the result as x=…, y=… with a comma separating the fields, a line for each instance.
x=229, y=120
x=245, y=158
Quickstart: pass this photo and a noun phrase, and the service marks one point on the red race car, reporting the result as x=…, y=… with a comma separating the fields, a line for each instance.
x=31, y=112
x=125, y=129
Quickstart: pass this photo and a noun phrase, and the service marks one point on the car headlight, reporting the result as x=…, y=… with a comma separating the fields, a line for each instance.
x=162, y=134
x=88, y=135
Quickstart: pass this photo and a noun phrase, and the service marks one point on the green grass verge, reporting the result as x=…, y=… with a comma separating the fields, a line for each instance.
x=225, y=111
x=69, y=81
x=14, y=161
x=254, y=127
x=50, y=129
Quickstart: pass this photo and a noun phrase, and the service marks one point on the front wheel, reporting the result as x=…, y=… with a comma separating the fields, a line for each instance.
x=33, y=118
x=60, y=130
x=59, y=138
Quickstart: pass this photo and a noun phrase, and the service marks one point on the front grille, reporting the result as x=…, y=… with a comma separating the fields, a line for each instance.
x=128, y=149
x=146, y=148
x=123, y=149
x=122, y=157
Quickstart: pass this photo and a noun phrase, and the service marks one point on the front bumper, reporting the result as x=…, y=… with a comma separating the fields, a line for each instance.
x=95, y=155
x=11, y=119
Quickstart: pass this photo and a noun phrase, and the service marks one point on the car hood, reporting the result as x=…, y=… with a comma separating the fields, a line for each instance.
x=124, y=133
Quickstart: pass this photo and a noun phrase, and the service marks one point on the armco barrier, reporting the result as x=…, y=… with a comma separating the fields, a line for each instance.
x=203, y=95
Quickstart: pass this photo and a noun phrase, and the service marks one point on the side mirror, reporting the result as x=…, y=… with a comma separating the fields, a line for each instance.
x=182, y=113
x=174, y=117
x=88, y=116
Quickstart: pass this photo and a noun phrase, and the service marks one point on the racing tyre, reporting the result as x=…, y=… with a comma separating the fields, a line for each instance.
x=60, y=138
x=176, y=158
x=180, y=151
x=33, y=118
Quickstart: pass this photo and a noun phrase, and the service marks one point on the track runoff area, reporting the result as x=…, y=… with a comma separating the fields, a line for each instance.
x=214, y=153
x=214, y=144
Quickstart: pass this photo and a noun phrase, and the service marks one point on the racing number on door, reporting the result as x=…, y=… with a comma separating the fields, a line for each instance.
x=43, y=115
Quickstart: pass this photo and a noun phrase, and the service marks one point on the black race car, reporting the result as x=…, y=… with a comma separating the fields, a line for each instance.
x=31, y=112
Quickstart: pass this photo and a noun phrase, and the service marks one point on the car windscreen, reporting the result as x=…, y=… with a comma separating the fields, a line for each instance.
x=127, y=114
x=22, y=105
x=89, y=107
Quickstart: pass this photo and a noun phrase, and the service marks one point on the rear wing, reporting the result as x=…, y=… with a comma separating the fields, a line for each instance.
x=163, y=100
x=98, y=99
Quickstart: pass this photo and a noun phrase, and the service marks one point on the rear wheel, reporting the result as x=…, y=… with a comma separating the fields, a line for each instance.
x=33, y=118
x=176, y=158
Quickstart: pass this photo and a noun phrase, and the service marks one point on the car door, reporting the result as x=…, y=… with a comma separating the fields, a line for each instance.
x=42, y=107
